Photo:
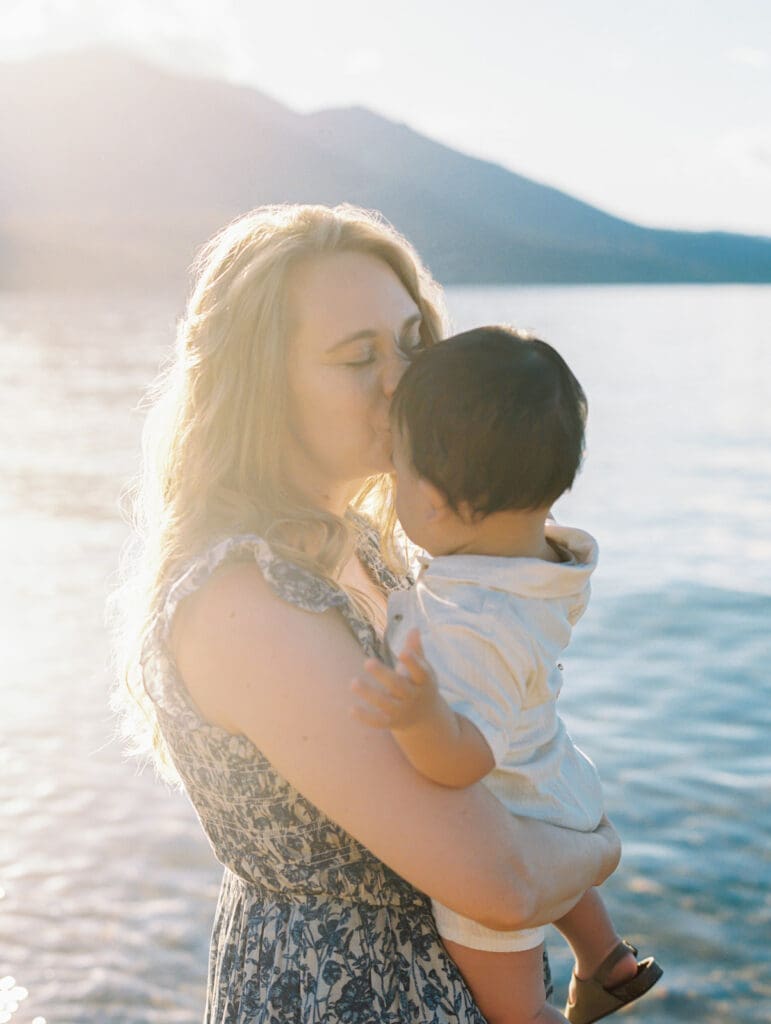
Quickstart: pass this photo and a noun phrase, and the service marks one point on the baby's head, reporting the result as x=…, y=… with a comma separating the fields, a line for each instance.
x=488, y=421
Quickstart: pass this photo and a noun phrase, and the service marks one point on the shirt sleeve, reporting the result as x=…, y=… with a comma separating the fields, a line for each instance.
x=402, y=616
x=579, y=605
x=477, y=681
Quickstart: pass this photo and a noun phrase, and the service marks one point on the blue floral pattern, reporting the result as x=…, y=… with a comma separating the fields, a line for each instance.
x=310, y=926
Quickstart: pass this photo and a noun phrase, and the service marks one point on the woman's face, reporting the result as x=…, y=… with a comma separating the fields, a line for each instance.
x=354, y=326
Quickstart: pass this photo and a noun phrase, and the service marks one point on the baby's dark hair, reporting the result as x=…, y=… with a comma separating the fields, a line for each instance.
x=493, y=418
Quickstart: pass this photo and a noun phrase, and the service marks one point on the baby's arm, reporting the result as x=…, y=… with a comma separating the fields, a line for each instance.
x=439, y=743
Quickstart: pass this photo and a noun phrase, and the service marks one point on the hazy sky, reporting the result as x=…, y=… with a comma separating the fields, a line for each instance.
x=659, y=112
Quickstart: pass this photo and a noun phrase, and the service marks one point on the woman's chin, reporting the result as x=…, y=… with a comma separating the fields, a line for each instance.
x=378, y=459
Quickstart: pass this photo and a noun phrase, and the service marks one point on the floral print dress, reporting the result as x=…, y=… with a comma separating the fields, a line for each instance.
x=310, y=926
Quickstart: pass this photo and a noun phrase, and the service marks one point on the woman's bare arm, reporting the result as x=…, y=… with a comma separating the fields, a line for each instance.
x=262, y=667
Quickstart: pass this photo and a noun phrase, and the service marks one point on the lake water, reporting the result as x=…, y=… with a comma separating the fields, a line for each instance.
x=107, y=888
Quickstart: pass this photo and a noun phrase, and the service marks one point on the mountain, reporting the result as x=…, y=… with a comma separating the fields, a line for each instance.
x=114, y=171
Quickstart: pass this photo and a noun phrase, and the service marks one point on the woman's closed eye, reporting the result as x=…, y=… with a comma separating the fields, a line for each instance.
x=363, y=358
x=408, y=346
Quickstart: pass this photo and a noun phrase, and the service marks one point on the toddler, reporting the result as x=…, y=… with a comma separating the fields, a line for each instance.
x=488, y=431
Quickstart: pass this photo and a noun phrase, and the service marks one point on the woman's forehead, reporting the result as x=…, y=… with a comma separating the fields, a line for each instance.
x=342, y=293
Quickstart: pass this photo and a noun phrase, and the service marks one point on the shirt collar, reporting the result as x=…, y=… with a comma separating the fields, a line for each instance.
x=525, y=577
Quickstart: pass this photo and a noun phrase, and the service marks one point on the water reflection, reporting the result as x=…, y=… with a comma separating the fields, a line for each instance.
x=666, y=684
x=11, y=995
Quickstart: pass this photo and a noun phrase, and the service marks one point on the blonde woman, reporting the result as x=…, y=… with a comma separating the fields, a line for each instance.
x=261, y=586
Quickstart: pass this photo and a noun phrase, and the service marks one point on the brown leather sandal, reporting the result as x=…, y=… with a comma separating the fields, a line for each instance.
x=593, y=1001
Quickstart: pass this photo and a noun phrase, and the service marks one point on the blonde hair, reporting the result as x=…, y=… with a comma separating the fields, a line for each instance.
x=213, y=441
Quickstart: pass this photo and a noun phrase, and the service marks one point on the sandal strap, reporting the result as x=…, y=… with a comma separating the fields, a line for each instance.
x=623, y=949
x=648, y=973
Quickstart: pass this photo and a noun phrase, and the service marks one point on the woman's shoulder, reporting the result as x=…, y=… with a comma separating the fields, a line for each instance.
x=269, y=593
x=234, y=608
x=246, y=564
x=239, y=573
x=240, y=599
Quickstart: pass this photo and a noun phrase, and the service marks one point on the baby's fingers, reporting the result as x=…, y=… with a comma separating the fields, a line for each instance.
x=369, y=716
x=415, y=667
x=398, y=684
x=377, y=699
x=413, y=643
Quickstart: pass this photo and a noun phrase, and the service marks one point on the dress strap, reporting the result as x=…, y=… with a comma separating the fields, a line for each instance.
x=291, y=582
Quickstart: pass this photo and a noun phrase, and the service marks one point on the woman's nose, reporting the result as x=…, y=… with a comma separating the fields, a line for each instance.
x=392, y=372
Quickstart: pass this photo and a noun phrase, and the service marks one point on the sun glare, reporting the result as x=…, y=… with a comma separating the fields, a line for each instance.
x=25, y=27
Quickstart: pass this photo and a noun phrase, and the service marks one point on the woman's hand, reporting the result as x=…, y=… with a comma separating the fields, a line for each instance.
x=605, y=847
x=397, y=698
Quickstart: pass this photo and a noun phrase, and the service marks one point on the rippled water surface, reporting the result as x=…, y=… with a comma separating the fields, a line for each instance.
x=107, y=889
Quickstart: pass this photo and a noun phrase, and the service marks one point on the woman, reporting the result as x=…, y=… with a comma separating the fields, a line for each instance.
x=264, y=588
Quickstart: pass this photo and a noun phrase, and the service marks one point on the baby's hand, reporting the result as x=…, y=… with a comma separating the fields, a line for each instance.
x=397, y=698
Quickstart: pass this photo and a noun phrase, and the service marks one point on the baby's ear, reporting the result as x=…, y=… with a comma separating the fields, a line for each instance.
x=435, y=503
x=467, y=513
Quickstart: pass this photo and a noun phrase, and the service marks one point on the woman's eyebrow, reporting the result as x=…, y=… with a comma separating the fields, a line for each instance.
x=369, y=332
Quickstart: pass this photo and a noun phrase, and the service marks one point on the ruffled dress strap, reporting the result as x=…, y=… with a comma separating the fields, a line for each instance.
x=292, y=583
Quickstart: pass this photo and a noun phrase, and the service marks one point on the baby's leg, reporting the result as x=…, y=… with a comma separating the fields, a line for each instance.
x=507, y=987
x=590, y=932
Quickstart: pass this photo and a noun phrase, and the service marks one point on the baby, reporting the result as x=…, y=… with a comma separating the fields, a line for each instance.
x=488, y=431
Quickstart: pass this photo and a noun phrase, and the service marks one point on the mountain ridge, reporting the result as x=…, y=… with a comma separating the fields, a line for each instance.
x=115, y=169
